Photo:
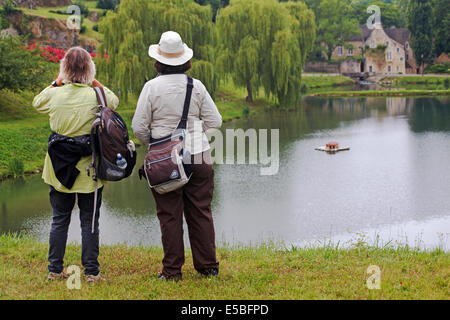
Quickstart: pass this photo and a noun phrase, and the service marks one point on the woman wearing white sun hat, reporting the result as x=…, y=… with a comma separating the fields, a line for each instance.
x=158, y=113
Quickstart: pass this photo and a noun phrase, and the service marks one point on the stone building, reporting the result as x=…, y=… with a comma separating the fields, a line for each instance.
x=379, y=50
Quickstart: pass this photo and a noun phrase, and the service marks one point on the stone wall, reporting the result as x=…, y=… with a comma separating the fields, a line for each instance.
x=322, y=67
x=350, y=66
x=391, y=61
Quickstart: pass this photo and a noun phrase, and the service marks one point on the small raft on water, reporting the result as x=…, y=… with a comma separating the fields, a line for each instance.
x=332, y=147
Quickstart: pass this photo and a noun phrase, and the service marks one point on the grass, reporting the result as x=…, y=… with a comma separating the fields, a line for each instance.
x=245, y=273
x=382, y=93
x=416, y=80
x=313, y=82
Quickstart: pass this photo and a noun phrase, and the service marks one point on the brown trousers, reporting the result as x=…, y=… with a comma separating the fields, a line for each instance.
x=194, y=199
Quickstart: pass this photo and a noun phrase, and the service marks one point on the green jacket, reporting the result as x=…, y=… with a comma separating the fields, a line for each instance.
x=69, y=108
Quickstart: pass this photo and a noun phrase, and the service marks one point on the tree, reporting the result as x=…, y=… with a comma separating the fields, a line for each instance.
x=107, y=4
x=19, y=69
x=335, y=23
x=419, y=19
x=215, y=5
x=391, y=14
x=139, y=23
x=441, y=25
x=264, y=43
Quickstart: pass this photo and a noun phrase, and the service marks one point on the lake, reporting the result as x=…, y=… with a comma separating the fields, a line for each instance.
x=392, y=187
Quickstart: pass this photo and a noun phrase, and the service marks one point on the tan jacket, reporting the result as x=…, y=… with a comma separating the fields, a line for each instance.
x=160, y=107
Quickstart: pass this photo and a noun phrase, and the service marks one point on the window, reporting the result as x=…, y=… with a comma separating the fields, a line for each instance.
x=401, y=58
x=370, y=69
x=398, y=69
x=389, y=56
x=350, y=52
x=407, y=46
x=389, y=69
x=387, y=43
x=407, y=57
x=339, y=50
x=372, y=44
x=398, y=50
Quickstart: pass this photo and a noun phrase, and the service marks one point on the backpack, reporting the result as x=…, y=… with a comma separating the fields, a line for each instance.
x=165, y=166
x=109, y=138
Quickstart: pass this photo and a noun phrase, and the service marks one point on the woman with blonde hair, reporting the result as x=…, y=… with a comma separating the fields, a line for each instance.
x=69, y=101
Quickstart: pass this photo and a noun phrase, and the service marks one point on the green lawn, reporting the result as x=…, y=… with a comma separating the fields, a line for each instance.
x=313, y=82
x=245, y=273
x=382, y=93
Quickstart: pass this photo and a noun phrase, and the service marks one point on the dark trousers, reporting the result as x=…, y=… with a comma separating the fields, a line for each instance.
x=63, y=204
x=194, y=199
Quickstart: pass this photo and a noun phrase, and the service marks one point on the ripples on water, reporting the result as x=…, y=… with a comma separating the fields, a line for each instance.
x=393, y=185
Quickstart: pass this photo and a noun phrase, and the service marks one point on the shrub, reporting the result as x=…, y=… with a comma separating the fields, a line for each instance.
x=447, y=83
x=16, y=167
x=439, y=68
x=303, y=88
x=95, y=27
x=83, y=8
x=107, y=4
x=246, y=111
x=19, y=68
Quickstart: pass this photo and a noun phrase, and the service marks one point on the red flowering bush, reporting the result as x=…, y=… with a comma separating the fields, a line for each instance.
x=54, y=54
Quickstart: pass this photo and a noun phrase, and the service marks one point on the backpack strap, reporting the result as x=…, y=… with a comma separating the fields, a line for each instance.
x=187, y=102
x=101, y=97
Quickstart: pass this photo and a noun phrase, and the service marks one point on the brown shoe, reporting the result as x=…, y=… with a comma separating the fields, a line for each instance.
x=93, y=279
x=58, y=276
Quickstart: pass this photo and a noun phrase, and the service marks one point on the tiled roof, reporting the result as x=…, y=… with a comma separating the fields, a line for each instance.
x=361, y=37
x=400, y=35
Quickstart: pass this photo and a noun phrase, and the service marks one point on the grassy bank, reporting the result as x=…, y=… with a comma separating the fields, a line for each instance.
x=325, y=82
x=442, y=81
x=245, y=273
x=382, y=93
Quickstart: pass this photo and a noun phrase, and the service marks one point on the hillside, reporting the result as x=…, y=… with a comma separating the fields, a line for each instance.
x=45, y=22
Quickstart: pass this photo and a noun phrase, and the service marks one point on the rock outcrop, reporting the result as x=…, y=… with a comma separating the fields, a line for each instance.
x=47, y=32
x=32, y=4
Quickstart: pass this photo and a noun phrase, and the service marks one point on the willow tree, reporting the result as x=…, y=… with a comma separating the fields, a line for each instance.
x=136, y=24
x=264, y=43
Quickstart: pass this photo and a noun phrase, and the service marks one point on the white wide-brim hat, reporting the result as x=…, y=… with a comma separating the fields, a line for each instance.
x=171, y=50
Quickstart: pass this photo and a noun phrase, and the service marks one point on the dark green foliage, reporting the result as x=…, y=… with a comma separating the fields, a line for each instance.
x=441, y=26
x=83, y=8
x=8, y=7
x=391, y=14
x=107, y=4
x=95, y=27
x=419, y=19
x=439, y=68
x=19, y=68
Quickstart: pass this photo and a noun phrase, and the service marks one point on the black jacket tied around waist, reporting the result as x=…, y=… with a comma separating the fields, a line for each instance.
x=65, y=152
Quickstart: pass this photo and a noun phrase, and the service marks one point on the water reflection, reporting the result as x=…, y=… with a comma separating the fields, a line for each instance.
x=396, y=174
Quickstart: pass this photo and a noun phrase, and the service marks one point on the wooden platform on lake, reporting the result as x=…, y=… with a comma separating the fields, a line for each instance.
x=332, y=150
